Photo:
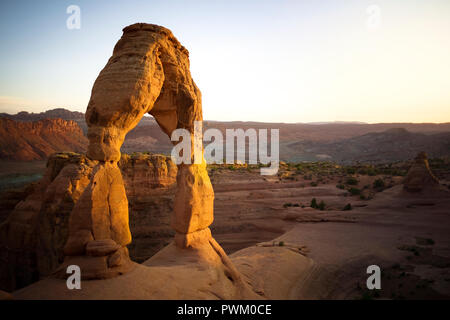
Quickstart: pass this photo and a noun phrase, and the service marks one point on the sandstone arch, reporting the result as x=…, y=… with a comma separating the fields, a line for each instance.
x=147, y=73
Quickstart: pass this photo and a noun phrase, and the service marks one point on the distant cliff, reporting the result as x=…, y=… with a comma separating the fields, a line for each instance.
x=36, y=140
x=60, y=113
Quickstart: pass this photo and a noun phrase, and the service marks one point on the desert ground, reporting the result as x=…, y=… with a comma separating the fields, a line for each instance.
x=287, y=245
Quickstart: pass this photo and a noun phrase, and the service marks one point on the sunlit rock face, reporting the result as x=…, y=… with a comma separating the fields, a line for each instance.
x=35, y=233
x=32, y=237
x=82, y=209
x=142, y=172
x=147, y=73
x=419, y=176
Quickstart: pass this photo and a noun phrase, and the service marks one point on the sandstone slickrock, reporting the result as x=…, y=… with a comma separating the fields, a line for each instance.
x=419, y=176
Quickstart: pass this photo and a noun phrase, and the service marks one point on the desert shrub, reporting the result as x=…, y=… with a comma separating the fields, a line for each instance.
x=281, y=243
x=354, y=191
x=313, y=184
x=351, y=181
x=347, y=207
x=378, y=184
x=288, y=204
x=350, y=170
x=340, y=186
x=321, y=206
x=314, y=203
x=362, y=171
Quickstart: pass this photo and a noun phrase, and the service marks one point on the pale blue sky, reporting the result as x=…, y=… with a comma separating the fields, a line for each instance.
x=277, y=61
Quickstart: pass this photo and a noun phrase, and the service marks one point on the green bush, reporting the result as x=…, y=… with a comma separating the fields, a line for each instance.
x=314, y=203
x=352, y=181
x=321, y=206
x=354, y=191
x=362, y=171
x=378, y=184
x=350, y=170
x=340, y=186
x=288, y=204
x=347, y=207
x=313, y=184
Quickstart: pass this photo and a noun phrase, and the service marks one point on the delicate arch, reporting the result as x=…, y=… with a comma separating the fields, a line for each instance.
x=147, y=73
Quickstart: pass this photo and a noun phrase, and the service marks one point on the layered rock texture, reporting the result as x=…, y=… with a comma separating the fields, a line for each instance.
x=38, y=139
x=419, y=176
x=34, y=235
x=148, y=73
x=142, y=172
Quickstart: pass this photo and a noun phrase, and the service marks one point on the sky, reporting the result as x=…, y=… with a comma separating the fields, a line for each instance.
x=254, y=60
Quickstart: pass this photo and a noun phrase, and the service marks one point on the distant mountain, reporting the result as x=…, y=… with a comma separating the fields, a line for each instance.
x=337, y=122
x=35, y=140
x=339, y=141
x=391, y=145
x=58, y=113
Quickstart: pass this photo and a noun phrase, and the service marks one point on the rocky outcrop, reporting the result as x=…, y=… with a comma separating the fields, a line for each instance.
x=37, y=140
x=142, y=172
x=419, y=176
x=148, y=73
x=34, y=232
x=33, y=237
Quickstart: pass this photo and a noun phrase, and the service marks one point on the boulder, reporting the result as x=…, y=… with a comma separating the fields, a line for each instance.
x=101, y=248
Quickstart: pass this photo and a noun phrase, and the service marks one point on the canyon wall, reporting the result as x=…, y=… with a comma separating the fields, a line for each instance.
x=38, y=139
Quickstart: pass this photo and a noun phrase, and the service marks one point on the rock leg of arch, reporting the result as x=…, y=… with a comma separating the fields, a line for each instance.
x=147, y=73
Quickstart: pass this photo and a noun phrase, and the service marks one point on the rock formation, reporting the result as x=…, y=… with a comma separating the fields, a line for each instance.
x=37, y=140
x=142, y=172
x=147, y=73
x=419, y=176
x=33, y=237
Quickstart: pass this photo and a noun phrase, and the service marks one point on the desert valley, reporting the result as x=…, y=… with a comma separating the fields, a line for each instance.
x=307, y=233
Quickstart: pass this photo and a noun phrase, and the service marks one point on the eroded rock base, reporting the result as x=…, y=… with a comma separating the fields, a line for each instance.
x=104, y=259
